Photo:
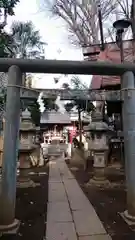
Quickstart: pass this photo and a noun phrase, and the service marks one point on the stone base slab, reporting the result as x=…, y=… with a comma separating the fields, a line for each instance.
x=96, y=237
x=10, y=229
x=26, y=183
x=130, y=220
x=98, y=182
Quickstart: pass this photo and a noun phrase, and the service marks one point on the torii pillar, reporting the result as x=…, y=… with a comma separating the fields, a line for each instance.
x=8, y=223
x=128, y=93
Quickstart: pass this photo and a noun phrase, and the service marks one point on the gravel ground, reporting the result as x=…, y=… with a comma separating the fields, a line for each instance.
x=31, y=207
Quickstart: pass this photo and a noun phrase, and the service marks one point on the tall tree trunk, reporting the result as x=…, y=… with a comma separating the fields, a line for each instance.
x=80, y=125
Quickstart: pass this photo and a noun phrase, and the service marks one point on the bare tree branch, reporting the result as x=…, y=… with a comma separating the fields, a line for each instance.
x=81, y=16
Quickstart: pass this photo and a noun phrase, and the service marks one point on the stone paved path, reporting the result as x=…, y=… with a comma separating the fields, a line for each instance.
x=70, y=216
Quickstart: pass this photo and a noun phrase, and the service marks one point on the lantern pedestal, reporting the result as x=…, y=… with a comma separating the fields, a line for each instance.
x=99, y=168
x=129, y=219
x=10, y=229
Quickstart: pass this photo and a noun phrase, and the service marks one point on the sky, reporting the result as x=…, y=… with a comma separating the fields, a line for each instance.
x=54, y=33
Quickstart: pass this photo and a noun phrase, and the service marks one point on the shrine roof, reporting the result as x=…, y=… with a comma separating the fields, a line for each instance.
x=112, y=54
x=53, y=117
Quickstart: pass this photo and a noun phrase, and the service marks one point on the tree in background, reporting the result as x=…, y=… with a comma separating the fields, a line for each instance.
x=26, y=43
x=6, y=40
x=81, y=105
x=34, y=109
x=50, y=104
x=6, y=43
x=27, y=40
x=7, y=8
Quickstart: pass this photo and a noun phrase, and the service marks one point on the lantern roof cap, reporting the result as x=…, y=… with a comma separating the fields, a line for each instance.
x=26, y=115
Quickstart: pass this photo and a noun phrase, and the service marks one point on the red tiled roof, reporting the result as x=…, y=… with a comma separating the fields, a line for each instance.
x=112, y=54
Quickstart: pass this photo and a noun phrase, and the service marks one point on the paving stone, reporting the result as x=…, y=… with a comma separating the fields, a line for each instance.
x=87, y=223
x=59, y=212
x=74, y=191
x=53, y=166
x=66, y=176
x=62, y=165
x=96, y=237
x=72, y=188
x=65, y=173
x=57, y=193
x=79, y=203
x=53, y=186
x=61, y=231
x=53, y=173
x=64, y=191
x=76, y=197
x=57, y=197
x=53, y=180
x=63, y=168
x=55, y=177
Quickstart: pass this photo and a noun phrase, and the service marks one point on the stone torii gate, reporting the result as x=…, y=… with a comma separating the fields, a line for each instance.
x=15, y=68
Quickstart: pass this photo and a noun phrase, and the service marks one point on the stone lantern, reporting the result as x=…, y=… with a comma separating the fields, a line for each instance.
x=98, y=131
x=28, y=147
